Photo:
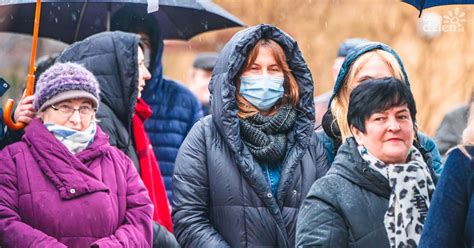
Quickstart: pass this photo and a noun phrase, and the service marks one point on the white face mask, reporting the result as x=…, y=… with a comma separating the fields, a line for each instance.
x=262, y=91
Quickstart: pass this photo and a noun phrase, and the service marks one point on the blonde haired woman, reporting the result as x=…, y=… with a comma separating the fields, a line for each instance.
x=243, y=171
x=450, y=221
x=368, y=61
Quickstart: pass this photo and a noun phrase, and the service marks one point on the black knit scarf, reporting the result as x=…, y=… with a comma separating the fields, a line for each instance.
x=266, y=136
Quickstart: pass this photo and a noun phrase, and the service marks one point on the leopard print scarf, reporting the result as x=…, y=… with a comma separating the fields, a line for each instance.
x=412, y=187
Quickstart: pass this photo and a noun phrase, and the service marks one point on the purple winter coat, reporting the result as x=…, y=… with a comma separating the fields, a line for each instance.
x=52, y=198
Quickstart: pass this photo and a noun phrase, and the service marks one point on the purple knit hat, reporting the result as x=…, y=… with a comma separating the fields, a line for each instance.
x=64, y=81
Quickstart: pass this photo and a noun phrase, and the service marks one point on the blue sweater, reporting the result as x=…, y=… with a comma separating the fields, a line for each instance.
x=272, y=176
x=450, y=221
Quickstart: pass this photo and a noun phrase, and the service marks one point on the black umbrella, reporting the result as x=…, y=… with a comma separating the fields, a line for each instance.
x=73, y=20
x=424, y=4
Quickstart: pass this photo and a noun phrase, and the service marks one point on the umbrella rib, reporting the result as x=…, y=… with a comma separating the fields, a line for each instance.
x=81, y=16
x=422, y=6
x=183, y=18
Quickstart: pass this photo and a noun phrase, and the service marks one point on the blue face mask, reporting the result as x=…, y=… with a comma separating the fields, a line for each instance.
x=262, y=91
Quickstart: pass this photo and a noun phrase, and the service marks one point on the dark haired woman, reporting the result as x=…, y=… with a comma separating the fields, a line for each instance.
x=378, y=190
x=243, y=172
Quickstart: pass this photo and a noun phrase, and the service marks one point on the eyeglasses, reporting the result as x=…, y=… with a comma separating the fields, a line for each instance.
x=69, y=110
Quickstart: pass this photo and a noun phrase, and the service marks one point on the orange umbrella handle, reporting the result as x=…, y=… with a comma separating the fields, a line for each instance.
x=30, y=81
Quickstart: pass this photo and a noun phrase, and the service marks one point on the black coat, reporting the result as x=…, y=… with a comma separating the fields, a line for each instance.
x=346, y=207
x=112, y=58
x=221, y=197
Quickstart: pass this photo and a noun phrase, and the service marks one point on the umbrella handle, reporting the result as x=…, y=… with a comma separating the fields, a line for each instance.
x=8, y=108
x=30, y=81
x=7, y=116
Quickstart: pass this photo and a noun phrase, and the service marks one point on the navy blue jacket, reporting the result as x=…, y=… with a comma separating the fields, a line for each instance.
x=450, y=221
x=428, y=146
x=175, y=110
x=7, y=136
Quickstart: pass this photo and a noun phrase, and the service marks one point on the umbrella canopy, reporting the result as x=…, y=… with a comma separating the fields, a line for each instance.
x=424, y=4
x=73, y=20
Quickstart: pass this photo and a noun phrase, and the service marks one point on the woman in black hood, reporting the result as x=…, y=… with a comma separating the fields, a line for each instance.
x=243, y=172
x=116, y=59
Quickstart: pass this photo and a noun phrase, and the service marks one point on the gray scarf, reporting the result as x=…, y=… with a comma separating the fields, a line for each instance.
x=266, y=136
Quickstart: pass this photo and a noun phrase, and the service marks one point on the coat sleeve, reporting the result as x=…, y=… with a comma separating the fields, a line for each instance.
x=448, y=134
x=319, y=155
x=197, y=112
x=191, y=223
x=319, y=222
x=162, y=237
x=447, y=214
x=136, y=230
x=14, y=232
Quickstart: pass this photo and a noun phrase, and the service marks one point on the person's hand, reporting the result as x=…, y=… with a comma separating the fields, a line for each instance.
x=25, y=112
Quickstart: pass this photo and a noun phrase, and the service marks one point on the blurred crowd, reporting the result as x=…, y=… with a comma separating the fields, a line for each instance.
x=115, y=154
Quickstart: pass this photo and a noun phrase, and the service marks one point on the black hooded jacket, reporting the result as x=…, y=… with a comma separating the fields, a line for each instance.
x=112, y=58
x=346, y=208
x=175, y=108
x=221, y=197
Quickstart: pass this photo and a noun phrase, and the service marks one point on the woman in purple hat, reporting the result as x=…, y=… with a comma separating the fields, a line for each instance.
x=56, y=189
